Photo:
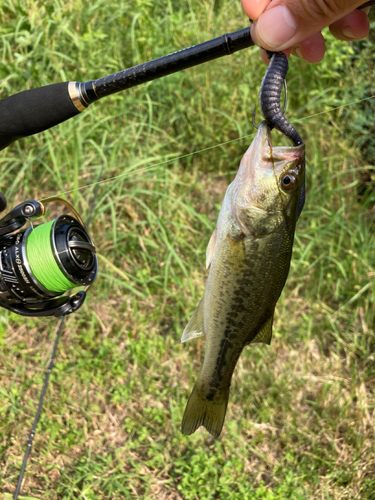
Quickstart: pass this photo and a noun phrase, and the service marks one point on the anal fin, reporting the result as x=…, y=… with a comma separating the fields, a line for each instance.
x=194, y=328
x=265, y=333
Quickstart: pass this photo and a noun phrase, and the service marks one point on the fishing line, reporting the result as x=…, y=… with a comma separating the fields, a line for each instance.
x=37, y=415
x=337, y=107
x=154, y=166
x=151, y=167
x=42, y=262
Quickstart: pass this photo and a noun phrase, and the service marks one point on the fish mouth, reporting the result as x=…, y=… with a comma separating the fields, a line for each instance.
x=255, y=191
x=264, y=159
x=275, y=154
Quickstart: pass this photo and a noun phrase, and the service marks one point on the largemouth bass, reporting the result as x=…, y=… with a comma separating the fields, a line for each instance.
x=249, y=257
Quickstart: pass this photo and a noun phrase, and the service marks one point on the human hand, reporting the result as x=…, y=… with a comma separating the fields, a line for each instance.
x=294, y=25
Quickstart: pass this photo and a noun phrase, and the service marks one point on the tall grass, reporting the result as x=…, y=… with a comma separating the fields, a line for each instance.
x=300, y=422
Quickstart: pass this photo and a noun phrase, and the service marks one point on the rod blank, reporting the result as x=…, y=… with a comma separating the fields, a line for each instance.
x=183, y=59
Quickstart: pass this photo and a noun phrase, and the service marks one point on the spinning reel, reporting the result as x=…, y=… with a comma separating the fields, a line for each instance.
x=39, y=264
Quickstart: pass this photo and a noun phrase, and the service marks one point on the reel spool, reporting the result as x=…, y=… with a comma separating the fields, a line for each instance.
x=41, y=263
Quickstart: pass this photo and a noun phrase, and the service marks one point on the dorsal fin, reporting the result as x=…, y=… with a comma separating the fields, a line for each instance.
x=194, y=328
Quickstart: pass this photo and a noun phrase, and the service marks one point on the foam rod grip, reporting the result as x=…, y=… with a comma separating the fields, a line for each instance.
x=33, y=111
x=3, y=202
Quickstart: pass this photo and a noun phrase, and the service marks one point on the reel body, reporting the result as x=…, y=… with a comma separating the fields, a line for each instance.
x=38, y=265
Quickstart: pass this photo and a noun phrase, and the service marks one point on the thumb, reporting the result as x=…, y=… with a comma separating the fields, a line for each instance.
x=285, y=23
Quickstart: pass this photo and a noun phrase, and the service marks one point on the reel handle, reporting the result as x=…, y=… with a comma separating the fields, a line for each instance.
x=16, y=218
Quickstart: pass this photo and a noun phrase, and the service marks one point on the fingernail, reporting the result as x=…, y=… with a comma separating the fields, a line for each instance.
x=298, y=52
x=346, y=31
x=275, y=28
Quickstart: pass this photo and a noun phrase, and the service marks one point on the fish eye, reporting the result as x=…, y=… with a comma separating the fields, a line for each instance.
x=288, y=181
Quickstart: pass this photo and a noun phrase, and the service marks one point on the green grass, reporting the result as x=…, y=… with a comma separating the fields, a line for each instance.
x=300, y=421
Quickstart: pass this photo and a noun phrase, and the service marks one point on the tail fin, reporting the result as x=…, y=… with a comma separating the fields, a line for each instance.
x=201, y=411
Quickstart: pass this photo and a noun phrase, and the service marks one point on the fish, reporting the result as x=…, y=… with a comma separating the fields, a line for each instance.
x=248, y=257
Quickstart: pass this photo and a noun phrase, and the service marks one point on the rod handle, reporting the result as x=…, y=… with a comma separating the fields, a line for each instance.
x=35, y=110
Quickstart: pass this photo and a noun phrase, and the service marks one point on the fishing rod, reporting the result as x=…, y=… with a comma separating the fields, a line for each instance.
x=35, y=110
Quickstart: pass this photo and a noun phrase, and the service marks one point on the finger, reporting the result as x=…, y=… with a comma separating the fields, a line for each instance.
x=254, y=8
x=353, y=26
x=284, y=25
x=264, y=56
x=312, y=49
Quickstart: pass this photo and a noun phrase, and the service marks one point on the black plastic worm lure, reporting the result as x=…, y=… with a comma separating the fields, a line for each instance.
x=269, y=101
x=270, y=94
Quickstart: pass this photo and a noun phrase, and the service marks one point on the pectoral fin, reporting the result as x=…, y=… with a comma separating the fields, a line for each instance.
x=211, y=248
x=194, y=328
x=265, y=333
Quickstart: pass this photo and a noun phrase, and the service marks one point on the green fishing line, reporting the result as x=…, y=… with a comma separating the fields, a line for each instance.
x=39, y=254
